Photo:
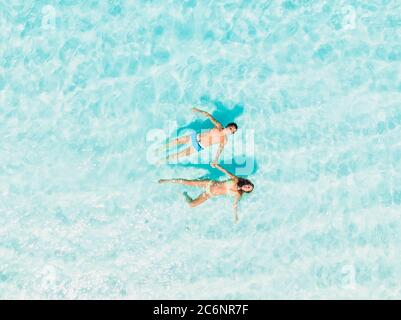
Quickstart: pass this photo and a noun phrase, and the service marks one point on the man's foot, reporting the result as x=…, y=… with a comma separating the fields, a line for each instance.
x=161, y=161
x=163, y=148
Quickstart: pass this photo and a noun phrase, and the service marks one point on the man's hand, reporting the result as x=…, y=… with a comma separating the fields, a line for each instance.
x=213, y=164
x=207, y=114
x=197, y=110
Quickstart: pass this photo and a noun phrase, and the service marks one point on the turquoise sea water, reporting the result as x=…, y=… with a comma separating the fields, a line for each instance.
x=82, y=83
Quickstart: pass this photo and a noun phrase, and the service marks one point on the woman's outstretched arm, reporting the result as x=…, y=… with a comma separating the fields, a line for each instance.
x=237, y=198
x=217, y=166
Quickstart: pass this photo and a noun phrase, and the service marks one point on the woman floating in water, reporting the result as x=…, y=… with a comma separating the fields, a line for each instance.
x=235, y=186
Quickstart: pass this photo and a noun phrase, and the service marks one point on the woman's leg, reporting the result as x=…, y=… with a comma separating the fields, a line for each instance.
x=199, y=200
x=193, y=183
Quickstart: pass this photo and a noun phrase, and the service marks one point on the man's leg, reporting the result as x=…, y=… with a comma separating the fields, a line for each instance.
x=184, y=153
x=177, y=141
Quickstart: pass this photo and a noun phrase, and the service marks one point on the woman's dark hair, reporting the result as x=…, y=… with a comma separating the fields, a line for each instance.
x=243, y=182
x=232, y=124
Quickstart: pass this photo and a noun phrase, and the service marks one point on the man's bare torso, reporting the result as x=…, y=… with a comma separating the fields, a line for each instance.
x=214, y=136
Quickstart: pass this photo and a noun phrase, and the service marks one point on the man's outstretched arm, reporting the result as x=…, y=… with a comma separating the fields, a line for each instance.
x=218, y=153
x=208, y=115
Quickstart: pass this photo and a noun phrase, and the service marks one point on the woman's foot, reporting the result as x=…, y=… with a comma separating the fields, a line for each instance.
x=168, y=180
x=187, y=197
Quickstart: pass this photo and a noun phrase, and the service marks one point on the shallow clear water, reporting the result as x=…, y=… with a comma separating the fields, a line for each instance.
x=82, y=83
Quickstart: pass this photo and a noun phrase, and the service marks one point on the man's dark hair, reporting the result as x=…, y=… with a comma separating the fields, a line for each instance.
x=233, y=124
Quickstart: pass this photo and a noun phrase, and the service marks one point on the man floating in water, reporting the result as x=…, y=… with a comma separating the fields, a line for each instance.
x=200, y=141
